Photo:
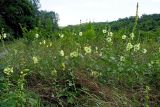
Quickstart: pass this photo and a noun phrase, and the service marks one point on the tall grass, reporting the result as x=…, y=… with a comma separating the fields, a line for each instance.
x=83, y=68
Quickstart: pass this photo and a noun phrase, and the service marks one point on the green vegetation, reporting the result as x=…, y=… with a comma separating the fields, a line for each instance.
x=148, y=26
x=87, y=65
x=15, y=14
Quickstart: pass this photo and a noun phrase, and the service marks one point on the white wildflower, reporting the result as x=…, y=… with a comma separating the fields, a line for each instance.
x=61, y=35
x=129, y=46
x=109, y=39
x=24, y=72
x=50, y=44
x=124, y=37
x=61, y=53
x=104, y=31
x=4, y=35
x=110, y=34
x=40, y=43
x=136, y=47
x=35, y=59
x=144, y=51
x=87, y=49
x=100, y=54
x=8, y=70
x=80, y=33
x=122, y=58
x=74, y=54
x=37, y=35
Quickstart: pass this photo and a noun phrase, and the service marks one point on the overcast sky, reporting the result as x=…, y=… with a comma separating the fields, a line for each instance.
x=72, y=11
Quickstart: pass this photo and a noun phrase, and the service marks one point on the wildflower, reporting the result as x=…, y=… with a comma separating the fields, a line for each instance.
x=80, y=33
x=144, y=51
x=40, y=43
x=100, y=54
x=8, y=71
x=37, y=35
x=124, y=37
x=96, y=48
x=87, y=49
x=122, y=58
x=95, y=73
x=109, y=39
x=137, y=47
x=4, y=35
x=74, y=34
x=104, y=31
x=61, y=35
x=129, y=46
x=110, y=34
x=24, y=72
x=50, y=44
x=61, y=53
x=132, y=35
x=74, y=54
x=35, y=59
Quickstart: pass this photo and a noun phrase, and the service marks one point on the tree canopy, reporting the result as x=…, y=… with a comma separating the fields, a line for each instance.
x=15, y=14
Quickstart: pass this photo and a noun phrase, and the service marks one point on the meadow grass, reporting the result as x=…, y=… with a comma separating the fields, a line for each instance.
x=82, y=68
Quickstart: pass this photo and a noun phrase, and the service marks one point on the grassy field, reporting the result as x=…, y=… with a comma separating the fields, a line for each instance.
x=80, y=69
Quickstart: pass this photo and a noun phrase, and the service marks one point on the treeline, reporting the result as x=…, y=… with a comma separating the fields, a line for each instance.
x=145, y=23
x=18, y=14
x=148, y=26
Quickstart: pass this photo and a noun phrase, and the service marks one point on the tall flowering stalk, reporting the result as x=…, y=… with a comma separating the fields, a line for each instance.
x=136, y=19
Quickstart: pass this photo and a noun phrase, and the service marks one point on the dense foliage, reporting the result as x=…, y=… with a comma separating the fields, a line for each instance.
x=148, y=26
x=80, y=68
x=17, y=14
x=113, y=64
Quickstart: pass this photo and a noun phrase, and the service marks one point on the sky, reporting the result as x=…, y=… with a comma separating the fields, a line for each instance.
x=72, y=11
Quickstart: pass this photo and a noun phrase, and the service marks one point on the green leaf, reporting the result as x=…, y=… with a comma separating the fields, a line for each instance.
x=70, y=100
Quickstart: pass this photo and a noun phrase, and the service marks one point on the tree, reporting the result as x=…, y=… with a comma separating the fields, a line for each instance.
x=16, y=13
x=48, y=20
